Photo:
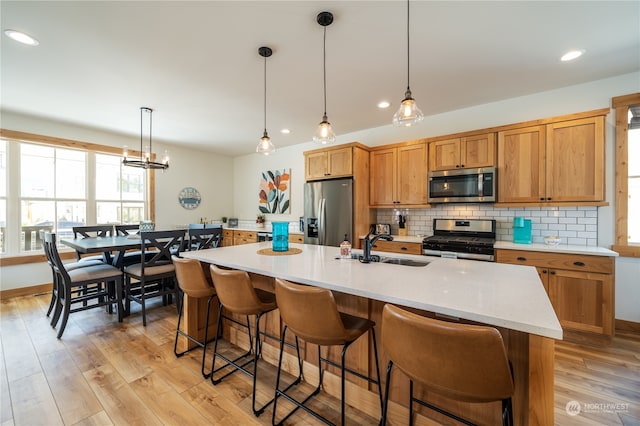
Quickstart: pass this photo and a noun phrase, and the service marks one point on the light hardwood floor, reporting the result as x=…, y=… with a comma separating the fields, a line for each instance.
x=102, y=373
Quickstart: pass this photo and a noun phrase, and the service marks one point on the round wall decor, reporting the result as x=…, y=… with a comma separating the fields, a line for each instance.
x=189, y=198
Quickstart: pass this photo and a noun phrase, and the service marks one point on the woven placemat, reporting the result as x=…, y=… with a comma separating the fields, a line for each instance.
x=270, y=252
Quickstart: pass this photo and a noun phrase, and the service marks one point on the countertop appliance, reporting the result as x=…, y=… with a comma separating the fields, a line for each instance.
x=463, y=186
x=381, y=228
x=264, y=236
x=461, y=238
x=328, y=211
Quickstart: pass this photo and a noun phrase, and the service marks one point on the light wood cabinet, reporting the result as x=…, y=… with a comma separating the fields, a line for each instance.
x=234, y=237
x=463, y=153
x=554, y=163
x=398, y=176
x=244, y=237
x=398, y=247
x=227, y=237
x=328, y=163
x=580, y=288
x=296, y=238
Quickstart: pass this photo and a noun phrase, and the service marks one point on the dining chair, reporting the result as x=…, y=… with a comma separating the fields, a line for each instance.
x=127, y=229
x=54, y=276
x=90, y=286
x=204, y=238
x=155, y=275
x=462, y=362
x=93, y=231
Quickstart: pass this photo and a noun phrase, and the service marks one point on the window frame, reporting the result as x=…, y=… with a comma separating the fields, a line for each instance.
x=25, y=137
x=621, y=105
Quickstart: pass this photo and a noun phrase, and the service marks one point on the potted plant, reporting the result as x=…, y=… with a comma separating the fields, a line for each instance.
x=260, y=218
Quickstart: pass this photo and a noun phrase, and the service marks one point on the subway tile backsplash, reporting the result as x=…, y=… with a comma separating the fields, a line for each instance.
x=574, y=225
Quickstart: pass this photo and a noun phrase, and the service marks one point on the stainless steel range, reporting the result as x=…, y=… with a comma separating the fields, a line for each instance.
x=461, y=238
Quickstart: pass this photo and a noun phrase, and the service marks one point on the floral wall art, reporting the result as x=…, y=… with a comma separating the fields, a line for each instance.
x=274, y=191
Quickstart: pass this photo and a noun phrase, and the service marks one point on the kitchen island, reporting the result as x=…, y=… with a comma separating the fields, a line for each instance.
x=509, y=297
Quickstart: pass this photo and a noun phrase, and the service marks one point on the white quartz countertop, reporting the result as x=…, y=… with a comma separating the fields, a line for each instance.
x=561, y=248
x=503, y=295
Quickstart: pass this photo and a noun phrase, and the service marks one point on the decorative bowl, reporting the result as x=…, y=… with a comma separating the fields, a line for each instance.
x=551, y=240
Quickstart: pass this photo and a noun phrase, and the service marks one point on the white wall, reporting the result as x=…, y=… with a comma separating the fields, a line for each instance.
x=211, y=171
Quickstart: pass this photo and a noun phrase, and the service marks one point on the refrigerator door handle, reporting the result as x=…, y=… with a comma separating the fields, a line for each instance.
x=322, y=219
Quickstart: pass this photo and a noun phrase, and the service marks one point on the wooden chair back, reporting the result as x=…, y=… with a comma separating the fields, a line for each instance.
x=204, y=238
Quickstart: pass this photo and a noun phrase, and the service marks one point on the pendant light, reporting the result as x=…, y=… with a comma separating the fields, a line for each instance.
x=408, y=114
x=324, y=133
x=145, y=157
x=265, y=146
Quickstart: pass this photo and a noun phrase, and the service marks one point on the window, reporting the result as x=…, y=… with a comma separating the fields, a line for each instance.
x=56, y=184
x=627, y=175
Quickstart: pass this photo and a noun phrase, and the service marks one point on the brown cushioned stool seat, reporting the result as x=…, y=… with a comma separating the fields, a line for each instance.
x=193, y=283
x=462, y=362
x=311, y=313
x=237, y=295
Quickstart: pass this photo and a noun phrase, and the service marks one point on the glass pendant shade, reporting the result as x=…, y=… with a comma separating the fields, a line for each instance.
x=408, y=114
x=324, y=133
x=265, y=146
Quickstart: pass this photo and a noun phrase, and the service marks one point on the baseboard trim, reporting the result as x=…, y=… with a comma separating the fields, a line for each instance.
x=25, y=291
x=624, y=325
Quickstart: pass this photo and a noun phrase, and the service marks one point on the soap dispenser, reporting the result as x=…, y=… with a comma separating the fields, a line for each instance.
x=345, y=248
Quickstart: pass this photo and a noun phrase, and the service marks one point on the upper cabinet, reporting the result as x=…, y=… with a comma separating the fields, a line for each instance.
x=560, y=162
x=328, y=163
x=463, y=152
x=398, y=176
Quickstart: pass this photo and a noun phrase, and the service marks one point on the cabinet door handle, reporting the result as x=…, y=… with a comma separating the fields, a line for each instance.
x=457, y=166
x=522, y=259
x=548, y=198
x=578, y=263
x=461, y=165
x=403, y=248
x=553, y=272
x=541, y=198
x=544, y=271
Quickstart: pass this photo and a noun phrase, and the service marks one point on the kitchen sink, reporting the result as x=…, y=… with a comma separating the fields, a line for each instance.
x=405, y=262
x=392, y=260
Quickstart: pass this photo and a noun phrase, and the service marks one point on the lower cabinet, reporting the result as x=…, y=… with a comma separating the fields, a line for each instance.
x=398, y=247
x=234, y=237
x=296, y=238
x=580, y=287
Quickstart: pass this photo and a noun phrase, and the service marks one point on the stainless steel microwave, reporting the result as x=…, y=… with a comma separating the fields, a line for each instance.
x=463, y=186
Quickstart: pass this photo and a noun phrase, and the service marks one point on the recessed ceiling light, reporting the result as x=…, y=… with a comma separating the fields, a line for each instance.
x=572, y=54
x=21, y=37
x=285, y=131
x=384, y=104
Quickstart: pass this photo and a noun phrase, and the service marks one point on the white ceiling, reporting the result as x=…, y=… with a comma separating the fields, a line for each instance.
x=196, y=63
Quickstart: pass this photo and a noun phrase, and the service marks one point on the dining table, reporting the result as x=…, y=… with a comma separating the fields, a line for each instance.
x=113, y=248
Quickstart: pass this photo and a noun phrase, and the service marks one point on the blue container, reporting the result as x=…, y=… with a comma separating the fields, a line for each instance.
x=280, y=234
x=521, y=230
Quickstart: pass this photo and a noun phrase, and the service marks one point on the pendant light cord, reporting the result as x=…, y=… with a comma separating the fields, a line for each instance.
x=408, y=45
x=324, y=68
x=265, y=94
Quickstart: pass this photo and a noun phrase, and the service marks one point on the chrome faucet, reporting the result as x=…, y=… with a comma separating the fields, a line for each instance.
x=369, y=242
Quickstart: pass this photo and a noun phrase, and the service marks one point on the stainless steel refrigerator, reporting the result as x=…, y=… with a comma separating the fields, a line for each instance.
x=328, y=212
